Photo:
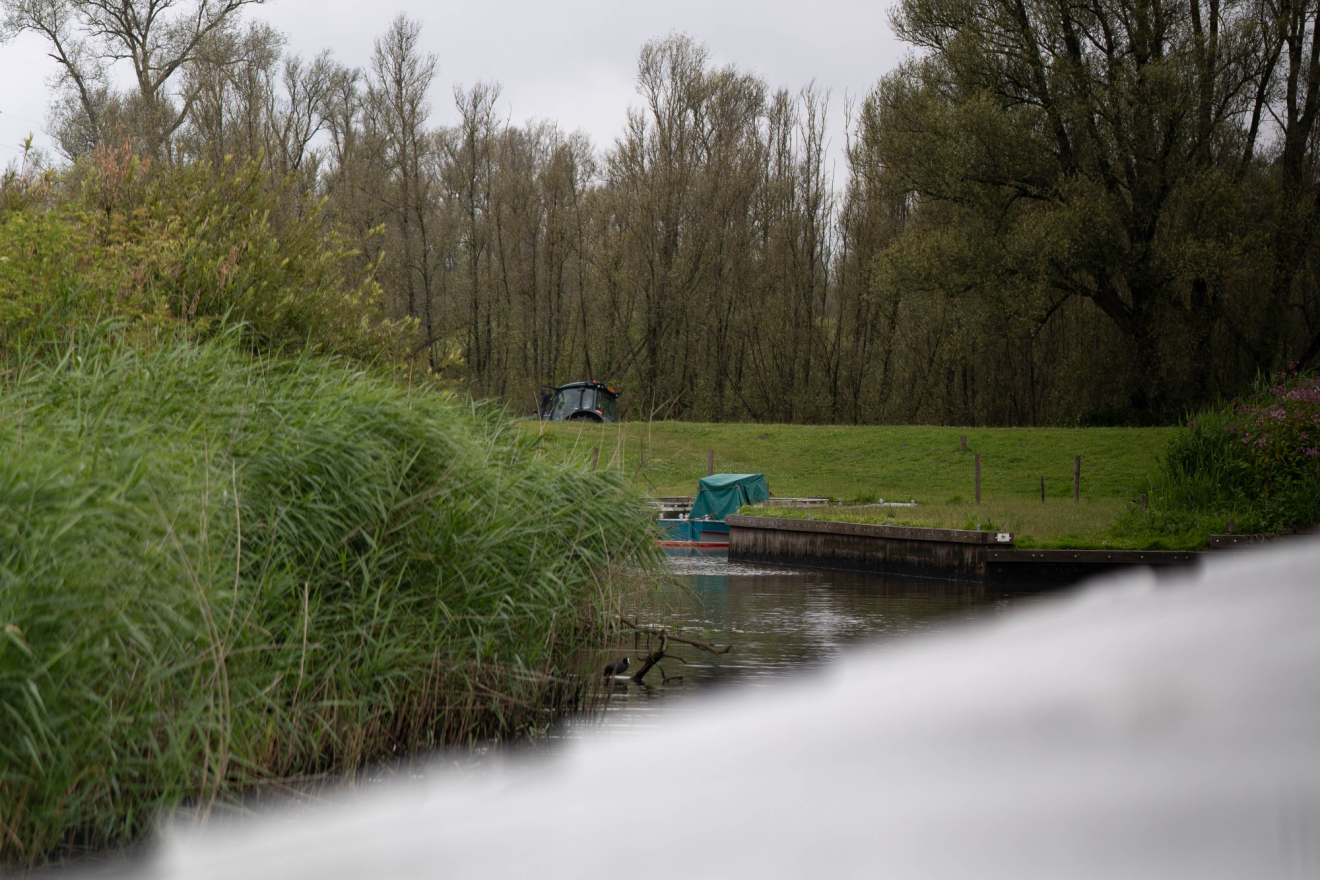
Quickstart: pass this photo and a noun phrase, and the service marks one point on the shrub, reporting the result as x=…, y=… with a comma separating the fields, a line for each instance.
x=1259, y=457
x=188, y=249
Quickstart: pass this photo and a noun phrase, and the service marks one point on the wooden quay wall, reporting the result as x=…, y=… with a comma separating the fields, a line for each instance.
x=956, y=554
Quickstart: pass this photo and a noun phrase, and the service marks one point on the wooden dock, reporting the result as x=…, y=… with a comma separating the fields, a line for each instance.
x=987, y=557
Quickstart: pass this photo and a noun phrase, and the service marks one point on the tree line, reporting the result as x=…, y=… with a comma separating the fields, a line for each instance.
x=1052, y=211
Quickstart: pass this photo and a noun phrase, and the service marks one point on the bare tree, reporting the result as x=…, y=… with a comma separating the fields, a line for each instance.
x=396, y=112
x=157, y=38
x=470, y=168
x=234, y=81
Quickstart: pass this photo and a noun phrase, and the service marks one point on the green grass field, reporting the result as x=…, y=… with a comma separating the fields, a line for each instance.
x=861, y=465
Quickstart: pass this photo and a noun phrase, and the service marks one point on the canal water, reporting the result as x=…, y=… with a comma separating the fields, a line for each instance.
x=782, y=622
x=1135, y=728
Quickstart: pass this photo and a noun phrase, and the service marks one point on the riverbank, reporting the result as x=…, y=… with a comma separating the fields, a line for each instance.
x=222, y=575
x=955, y=554
x=1101, y=524
x=863, y=464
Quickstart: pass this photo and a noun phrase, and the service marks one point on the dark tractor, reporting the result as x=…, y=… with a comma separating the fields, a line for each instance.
x=577, y=402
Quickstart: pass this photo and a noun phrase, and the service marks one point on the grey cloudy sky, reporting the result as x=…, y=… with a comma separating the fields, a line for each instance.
x=572, y=61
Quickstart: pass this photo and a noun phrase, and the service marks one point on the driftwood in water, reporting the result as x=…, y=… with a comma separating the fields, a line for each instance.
x=665, y=638
x=652, y=659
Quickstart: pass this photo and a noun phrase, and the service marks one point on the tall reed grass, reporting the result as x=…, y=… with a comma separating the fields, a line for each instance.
x=218, y=573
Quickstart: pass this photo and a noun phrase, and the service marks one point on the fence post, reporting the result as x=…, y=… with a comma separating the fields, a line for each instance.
x=1042, y=490
x=1077, y=478
x=710, y=463
x=963, y=441
x=978, y=478
x=1143, y=502
x=595, y=457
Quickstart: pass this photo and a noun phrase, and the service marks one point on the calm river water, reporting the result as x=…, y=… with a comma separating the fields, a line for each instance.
x=1140, y=729
x=782, y=622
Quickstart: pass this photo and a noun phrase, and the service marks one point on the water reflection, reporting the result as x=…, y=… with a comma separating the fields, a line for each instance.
x=782, y=622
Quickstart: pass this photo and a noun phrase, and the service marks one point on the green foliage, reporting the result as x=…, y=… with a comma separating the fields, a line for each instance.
x=219, y=572
x=1258, y=458
x=188, y=249
x=1162, y=528
x=25, y=184
x=1073, y=260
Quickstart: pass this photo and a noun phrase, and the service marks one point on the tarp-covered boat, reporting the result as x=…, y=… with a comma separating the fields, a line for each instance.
x=717, y=497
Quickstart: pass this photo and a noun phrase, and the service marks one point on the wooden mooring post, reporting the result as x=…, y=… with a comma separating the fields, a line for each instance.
x=978, y=478
x=1077, y=478
x=710, y=463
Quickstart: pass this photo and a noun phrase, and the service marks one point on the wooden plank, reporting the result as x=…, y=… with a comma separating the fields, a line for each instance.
x=945, y=553
x=1228, y=542
x=873, y=530
x=854, y=547
x=1220, y=542
x=1094, y=557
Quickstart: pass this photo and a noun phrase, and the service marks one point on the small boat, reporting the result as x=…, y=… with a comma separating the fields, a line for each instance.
x=703, y=525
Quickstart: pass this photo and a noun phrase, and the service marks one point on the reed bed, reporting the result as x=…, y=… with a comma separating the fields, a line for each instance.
x=219, y=574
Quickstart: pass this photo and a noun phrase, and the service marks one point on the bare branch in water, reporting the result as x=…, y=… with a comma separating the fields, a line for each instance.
x=660, y=631
x=665, y=639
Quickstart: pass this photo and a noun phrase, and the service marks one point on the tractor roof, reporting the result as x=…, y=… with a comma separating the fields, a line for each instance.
x=590, y=384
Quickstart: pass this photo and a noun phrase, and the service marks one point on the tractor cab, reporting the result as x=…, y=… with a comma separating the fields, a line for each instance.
x=577, y=401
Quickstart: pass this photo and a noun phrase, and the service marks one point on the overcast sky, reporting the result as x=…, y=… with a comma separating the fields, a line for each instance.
x=573, y=61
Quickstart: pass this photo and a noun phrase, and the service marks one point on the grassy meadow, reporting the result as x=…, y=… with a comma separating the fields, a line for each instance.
x=860, y=465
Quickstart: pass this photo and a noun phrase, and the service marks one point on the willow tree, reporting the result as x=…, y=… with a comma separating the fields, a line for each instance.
x=1056, y=151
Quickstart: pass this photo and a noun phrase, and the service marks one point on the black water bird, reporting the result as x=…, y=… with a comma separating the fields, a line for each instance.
x=618, y=668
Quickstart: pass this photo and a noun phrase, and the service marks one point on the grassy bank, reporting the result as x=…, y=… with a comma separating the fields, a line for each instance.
x=861, y=464
x=927, y=464
x=220, y=575
x=1105, y=523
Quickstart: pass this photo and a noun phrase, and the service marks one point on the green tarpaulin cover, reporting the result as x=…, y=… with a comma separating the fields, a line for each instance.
x=722, y=494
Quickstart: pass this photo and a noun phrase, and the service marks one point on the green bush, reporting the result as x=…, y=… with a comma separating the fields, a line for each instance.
x=1258, y=459
x=185, y=249
x=218, y=572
